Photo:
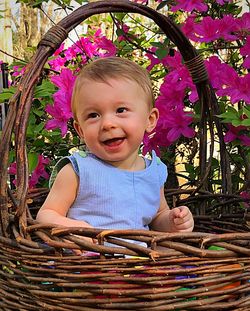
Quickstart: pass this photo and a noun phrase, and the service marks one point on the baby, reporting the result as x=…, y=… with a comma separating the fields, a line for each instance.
x=112, y=186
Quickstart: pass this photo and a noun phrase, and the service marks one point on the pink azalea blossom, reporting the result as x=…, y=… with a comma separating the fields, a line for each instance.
x=70, y=53
x=190, y=5
x=106, y=47
x=154, y=60
x=59, y=50
x=233, y=133
x=125, y=29
x=61, y=109
x=245, y=140
x=178, y=123
x=18, y=71
x=176, y=82
x=150, y=144
x=221, y=2
x=60, y=118
x=12, y=169
x=141, y=1
x=243, y=26
x=39, y=171
x=245, y=51
x=246, y=196
x=188, y=28
x=221, y=75
x=207, y=30
x=65, y=80
x=226, y=27
x=171, y=94
x=57, y=63
x=85, y=46
x=239, y=89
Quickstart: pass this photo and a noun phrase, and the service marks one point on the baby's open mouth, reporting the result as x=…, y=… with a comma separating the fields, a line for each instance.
x=114, y=141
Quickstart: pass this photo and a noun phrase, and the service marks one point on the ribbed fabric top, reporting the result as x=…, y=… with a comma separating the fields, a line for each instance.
x=111, y=198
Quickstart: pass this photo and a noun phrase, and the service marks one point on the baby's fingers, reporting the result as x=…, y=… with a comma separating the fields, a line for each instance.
x=184, y=211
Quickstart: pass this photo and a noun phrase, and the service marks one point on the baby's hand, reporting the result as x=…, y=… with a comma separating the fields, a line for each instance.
x=181, y=219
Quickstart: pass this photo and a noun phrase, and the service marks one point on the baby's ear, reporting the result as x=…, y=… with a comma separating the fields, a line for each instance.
x=152, y=120
x=78, y=128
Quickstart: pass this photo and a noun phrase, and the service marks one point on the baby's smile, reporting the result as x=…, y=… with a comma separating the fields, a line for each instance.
x=114, y=141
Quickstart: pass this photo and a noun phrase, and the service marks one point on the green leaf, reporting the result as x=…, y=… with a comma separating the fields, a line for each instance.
x=7, y=94
x=216, y=248
x=38, y=128
x=81, y=1
x=190, y=170
x=161, y=53
x=236, y=123
x=38, y=112
x=246, y=111
x=119, y=32
x=46, y=89
x=230, y=114
x=245, y=122
x=33, y=161
x=162, y=5
x=156, y=44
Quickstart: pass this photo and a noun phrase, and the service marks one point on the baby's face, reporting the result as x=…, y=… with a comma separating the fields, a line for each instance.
x=113, y=117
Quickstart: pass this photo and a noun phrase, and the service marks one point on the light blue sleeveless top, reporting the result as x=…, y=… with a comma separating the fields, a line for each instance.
x=111, y=198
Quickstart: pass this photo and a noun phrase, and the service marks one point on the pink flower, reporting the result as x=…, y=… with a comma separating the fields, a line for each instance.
x=61, y=109
x=207, y=29
x=170, y=93
x=38, y=172
x=178, y=123
x=190, y=5
x=150, y=143
x=59, y=50
x=106, y=47
x=57, y=63
x=234, y=133
x=85, y=46
x=240, y=89
x=59, y=120
x=221, y=2
x=125, y=29
x=226, y=27
x=169, y=128
x=245, y=140
x=243, y=25
x=12, y=169
x=245, y=51
x=246, y=196
x=154, y=60
x=65, y=80
x=221, y=75
x=189, y=28
x=18, y=71
x=141, y=1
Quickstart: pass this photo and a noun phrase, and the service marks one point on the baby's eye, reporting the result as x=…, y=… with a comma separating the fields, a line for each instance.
x=121, y=110
x=92, y=115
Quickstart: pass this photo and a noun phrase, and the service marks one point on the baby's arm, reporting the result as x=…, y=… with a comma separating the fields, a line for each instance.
x=59, y=200
x=178, y=219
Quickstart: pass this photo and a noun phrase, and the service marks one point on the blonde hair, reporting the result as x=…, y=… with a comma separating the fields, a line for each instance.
x=103, y=69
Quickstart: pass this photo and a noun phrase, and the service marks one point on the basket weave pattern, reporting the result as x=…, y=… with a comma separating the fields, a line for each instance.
x=192, y=271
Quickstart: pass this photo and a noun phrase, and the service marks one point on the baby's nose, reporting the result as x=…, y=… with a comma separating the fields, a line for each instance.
x=108, y=123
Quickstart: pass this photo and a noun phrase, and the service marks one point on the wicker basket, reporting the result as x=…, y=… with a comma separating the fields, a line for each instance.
x=192, y=271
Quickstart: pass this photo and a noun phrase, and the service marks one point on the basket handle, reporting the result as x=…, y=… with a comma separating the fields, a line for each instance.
x=20, y=104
